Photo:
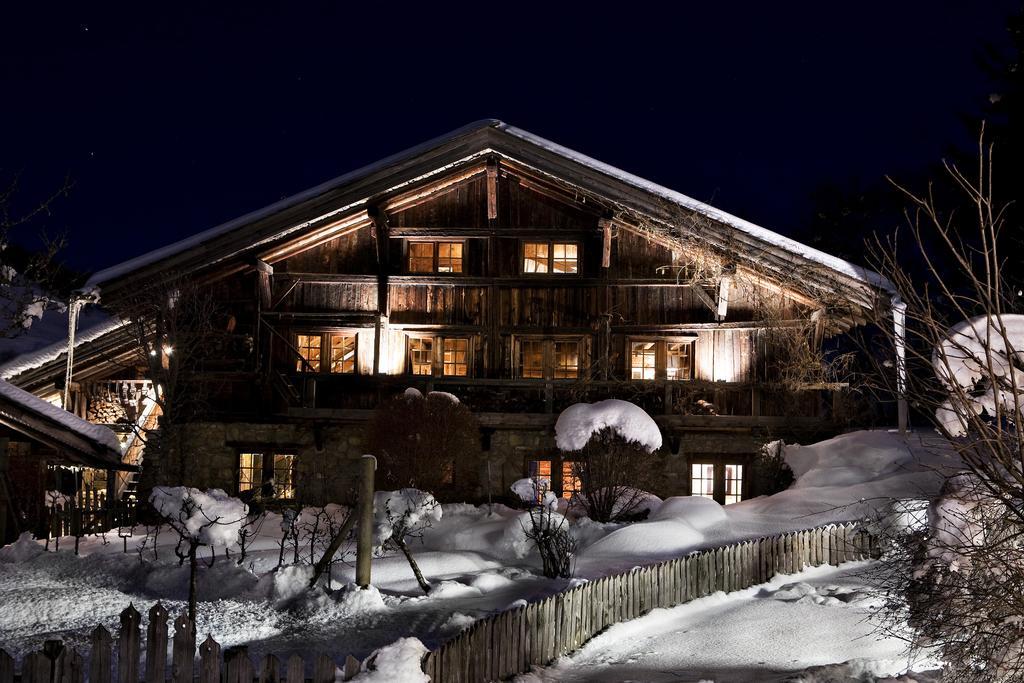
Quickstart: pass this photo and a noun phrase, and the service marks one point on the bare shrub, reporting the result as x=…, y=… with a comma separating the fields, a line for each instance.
x=613, y=475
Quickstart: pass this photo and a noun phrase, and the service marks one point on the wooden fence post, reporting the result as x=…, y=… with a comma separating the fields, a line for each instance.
x=184, y=650
x=100, y=644
x=128, y=643
x=209, y=661
x=156, y=645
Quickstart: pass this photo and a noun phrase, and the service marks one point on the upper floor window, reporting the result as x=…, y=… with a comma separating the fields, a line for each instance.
x=661, y=359
x=435, y=257
x=559, y=258
x=548, y=358
x=341, y=356
x=452, y=355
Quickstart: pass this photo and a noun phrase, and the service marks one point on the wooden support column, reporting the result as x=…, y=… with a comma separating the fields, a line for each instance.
x=263, y=273
x=492, y=356
x=492, y=189
x=381, y=237
x=364, y=538
x=605, y=338
x=5, y=495
x=606, y=243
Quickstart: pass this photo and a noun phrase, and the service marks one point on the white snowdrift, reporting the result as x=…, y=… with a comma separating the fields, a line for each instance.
x=399, y=661
x=579, y=422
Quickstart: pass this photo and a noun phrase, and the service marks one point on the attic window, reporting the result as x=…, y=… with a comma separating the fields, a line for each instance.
x=435, y=257
x=557, y=258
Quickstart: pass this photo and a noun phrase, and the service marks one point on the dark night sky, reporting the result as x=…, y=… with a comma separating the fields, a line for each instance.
x=172, y=118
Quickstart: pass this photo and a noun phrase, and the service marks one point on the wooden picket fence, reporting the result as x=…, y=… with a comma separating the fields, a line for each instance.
x=536, y=634
x=88, y=513
x=492, y=649
x=55, y=663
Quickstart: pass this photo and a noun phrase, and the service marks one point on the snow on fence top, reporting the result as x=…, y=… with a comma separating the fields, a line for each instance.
x=579, y=422
x=33, y=404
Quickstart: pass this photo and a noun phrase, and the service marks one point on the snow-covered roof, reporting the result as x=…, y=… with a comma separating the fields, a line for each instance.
x=43, y=421
x=483, y=137
x=95, y=322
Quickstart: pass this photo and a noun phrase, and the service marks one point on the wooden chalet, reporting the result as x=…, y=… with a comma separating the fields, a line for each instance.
x=519, y=276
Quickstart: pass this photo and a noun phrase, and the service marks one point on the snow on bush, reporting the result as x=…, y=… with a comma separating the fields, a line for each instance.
x=636, y=500
x=579, y=422
x=528, y=489
x=413, y=393
x=975, y=362
x=399, y=661
x=22, y=550
x=211, y=517
x=408, y=510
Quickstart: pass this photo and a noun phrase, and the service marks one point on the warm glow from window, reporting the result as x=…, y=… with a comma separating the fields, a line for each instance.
x=733, y=484
x=535, y=257
x=456, y=357
x=250, y=471
x=566, y=258
x=309, y=351
x=343, y=353
x=570, y=478
x=421, y=257
x=643, y=360
x=540, y=472
x=567, y=360
x=449, y=257
x=531, y=359
x=421, y=355
x=702, y=480
x=679, y=360
x=284, y=476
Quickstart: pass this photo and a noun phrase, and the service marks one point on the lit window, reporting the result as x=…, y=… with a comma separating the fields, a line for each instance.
x=566, y=258
x=535, y=257
x=567, y=360
x=702, y=480
x=421, y=355
x=449, y=257
x=733, y=484
x=531, y=359
x=540, y=472
x=679, y=360
x=435, y=257
x=421, y=257
x=284, y=476
x=250, y=471
x=570, y=478
x=643, y=360
x=269, y=474
x=343, y=353
x=456, y=357
x=309, y=353
x=560, y=258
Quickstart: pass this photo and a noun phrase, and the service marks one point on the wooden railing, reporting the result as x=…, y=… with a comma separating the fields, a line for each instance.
x=536, y=634
x=88, y=513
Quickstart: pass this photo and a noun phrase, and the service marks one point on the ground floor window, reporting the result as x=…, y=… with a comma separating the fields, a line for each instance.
x=272, y=475
x=561, y=477
x=722, y=482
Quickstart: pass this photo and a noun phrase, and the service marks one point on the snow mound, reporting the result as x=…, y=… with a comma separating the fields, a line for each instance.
x=444, y=394
x=356, y=600
x=212, y=517
x=980, y=353
x=698, y=512
x=828, y=596
x=528, y=489
x=399, y=661
x=579, y=422
x=22, y=550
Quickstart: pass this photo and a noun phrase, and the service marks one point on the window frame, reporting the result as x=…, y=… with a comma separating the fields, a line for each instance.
x=660, y=357
x=435, y=253
x=719, y=479
x=438, y=340
x=549, y=356
x=550, y=272
x=556, y=477
x=266, y=461
x=326, y=362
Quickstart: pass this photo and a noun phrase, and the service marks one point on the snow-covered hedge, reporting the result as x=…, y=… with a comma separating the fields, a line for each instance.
x=211, y=517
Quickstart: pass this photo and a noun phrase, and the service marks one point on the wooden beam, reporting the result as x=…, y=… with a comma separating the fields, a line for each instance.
x=381, y=229
x=407, y=200
x=492, y=189
x=316, y=236
x=606, y=244
x=723, y=297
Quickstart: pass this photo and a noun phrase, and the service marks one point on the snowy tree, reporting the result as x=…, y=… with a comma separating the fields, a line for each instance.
x=401, y=515
x=956, y=576
x=200, y=518
x=611, y=445
x=545, y=527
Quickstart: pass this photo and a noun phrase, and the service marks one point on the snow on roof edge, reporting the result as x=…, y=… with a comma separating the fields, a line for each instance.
x=150, y=257
x=95, y=433
x=860, y=273
x=34, y=359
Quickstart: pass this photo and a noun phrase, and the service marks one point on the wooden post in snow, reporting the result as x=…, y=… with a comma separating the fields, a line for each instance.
x=364, y=538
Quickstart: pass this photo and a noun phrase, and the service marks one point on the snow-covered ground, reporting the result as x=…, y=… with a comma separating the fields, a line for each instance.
x=810, y=627
x=478, y=560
